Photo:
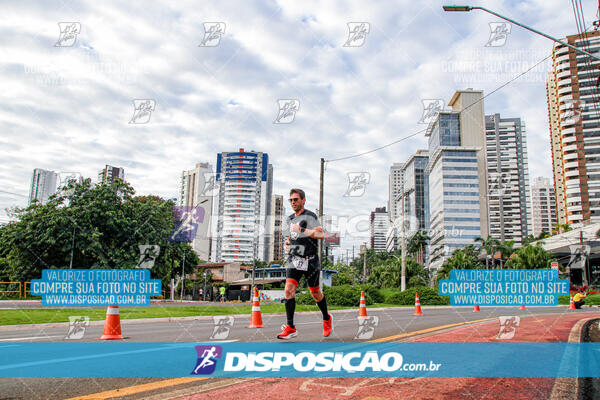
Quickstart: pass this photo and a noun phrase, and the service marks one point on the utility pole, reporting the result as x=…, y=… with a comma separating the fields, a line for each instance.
x=583, y=258
x=252, y=288
x=204, y=292
x=403, y=255
x=365, y=261
x=72, y=248
x=321, y=205
x=321, y=219
x=182, y=276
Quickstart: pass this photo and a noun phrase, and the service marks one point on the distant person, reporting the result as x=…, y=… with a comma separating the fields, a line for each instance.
x=578, y=298
x=222, y=292
x=303, y=232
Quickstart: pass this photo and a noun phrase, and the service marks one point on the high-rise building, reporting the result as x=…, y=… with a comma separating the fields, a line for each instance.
x=245, y=180
x=543, y=206
x=508, y=179
x=574, y=114
x=197, y=190
x=394, y=189
x=457, y=171
x=276, y=224
x=415, y=190
x=43, y=184
x=380, y=224
x=108, y=175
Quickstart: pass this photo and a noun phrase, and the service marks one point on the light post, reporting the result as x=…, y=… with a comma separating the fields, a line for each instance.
x=204, y=292
x=469, y=8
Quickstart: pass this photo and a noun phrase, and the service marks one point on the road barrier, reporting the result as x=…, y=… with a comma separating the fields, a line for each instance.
x=9, y=287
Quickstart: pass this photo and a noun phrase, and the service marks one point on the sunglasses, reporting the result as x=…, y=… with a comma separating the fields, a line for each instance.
x=294, y=199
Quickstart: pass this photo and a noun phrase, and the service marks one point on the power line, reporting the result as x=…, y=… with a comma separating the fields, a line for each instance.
x=464, y=109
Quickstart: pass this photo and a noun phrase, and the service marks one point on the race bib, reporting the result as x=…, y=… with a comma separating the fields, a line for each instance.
x=300, y=263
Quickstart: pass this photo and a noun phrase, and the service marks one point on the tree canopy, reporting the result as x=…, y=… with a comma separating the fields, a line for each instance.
x=103, y=224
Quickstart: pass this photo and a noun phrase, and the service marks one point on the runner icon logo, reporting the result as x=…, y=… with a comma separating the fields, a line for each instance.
x=223, y=324
x=508, y=327
x=77, y=326
x=366, y=327
x=207, y=359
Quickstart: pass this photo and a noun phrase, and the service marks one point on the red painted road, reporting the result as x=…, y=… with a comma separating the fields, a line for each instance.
x=547, y=328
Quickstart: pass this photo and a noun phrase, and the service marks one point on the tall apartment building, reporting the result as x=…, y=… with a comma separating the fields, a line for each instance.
x=574, y=114
x=379, y=225
x=197, y=191
x=277, y=215
x=43, y=184
x=109, y=174
x=543, y=206
x=245, y=180
x=394, y=189
x=457, y=171
x=508, y=179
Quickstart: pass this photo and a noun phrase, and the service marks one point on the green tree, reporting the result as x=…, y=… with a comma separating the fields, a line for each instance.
x=490, y=245
x=531, y=257
x=416, y=245
x=102, y=225
x=460, y=259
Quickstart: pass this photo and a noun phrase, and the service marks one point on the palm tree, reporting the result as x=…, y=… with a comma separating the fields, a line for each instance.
x=531, y=257
x=506, y=250
x=561, y=228
x=416, y=245
x=490, y=245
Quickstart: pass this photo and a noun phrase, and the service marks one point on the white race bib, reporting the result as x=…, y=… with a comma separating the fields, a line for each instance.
x=300, y=263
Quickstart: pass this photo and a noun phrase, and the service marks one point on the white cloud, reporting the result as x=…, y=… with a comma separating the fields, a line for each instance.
x=67, y=109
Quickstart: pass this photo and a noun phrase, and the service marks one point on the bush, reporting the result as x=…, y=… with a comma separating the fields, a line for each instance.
x=304, y=298
x=373, y=292
x=344, y=295
x=590, y=300
x=427, y=297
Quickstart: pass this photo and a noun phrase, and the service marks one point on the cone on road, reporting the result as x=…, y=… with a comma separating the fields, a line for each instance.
x=571, y=302
x=522, y=307
x=112, y=324
x=476, y=309
x=255, y=316
x=362, y=307
x=417, y=305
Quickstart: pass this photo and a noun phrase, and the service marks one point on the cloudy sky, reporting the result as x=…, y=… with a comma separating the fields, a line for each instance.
x=68, y=108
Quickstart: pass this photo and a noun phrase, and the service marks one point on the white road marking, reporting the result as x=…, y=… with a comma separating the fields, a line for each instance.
x=28, y=338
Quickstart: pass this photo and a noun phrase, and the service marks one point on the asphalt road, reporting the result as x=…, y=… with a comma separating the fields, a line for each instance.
x=393, y=323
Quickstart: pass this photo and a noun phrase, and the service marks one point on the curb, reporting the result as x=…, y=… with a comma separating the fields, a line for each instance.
x=568, y=388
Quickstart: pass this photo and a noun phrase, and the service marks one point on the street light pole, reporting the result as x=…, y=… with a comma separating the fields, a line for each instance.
x=469, y=8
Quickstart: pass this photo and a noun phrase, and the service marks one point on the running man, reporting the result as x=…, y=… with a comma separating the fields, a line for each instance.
x=303, y=231
x=207, y=361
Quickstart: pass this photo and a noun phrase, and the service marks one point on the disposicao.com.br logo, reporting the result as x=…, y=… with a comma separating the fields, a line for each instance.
x=370, y=361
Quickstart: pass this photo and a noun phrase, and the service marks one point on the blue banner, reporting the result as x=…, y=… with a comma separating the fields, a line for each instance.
x=503, y=287
x=95, y=287
x=218, y=359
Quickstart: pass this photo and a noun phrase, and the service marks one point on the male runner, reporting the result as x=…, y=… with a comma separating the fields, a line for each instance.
x=302, y=230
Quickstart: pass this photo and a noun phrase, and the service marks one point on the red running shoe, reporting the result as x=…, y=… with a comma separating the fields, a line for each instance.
x=287, y=333
x=328, y=326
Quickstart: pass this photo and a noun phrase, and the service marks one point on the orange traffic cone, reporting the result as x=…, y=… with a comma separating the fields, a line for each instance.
x=112, y=324
x=362, y=308
x=417, y=305
x=476, y=309
x=255, y=316
x=571, y=302
x=522, y=307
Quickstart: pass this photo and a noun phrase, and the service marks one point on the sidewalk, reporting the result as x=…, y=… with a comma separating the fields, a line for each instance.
x=550, y=328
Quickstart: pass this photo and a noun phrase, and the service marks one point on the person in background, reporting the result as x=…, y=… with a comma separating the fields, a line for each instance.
x=578, y=298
